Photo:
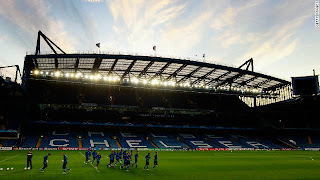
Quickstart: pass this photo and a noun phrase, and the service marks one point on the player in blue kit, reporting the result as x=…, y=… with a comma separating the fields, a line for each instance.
x=124, y=153
x=45, y=162
x=65, y=162
x=98, y=157
x=146, y=167
x=124, y=161
x=127, y=160
x=111, y=156
x=117, y=157
x=88, y=153
x=120, y=153
x=155, y=162
x=94, y=155
x=136, y=156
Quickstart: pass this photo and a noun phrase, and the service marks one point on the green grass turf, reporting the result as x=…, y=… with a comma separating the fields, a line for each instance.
x=172, y=165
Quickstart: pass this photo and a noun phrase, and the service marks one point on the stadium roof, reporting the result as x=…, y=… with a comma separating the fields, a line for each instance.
x=149, y=68
x=126, y=67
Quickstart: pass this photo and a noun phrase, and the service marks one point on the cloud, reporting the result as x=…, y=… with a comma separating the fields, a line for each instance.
x=33, y=15
x=279, y=42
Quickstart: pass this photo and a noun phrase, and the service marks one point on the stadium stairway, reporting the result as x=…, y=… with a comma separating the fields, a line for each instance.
x=118, y=143
x=153, y=143
x=80, y=143
x=39, y=143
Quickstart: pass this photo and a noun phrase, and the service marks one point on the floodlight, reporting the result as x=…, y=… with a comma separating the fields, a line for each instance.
x=144, y=81
x=135, y=80
x=36, y=72
x=57, y=73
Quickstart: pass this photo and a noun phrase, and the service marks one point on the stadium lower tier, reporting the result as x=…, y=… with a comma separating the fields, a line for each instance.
x=155, y=140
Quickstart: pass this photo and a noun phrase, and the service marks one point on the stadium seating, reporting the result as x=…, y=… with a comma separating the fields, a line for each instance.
x=30, y=142
x=196, y=141
x=133, y=140
x=59, y=140
x=8, y=142
x=166, y=141
x=98, y=140
x=249, y=143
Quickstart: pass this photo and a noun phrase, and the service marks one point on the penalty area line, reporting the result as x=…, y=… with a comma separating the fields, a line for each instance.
x=90, y=163
x=10, y=158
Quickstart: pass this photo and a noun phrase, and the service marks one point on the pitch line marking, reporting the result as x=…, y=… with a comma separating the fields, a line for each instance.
x=90, y=163
x=10, y=158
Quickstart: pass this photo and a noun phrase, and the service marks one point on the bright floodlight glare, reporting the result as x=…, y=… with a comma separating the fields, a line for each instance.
x=105, y=78
x=57, y=73
x=115, y=79
x=91, y=77
x=154, y=82
x=67, y=74
x=165, y=83
x=72, y=75
x=86, y=76
x=98, y=76
x=135, y=80
x=78, y=75
x=36, y=72
x=144, y=81
x=110, y=78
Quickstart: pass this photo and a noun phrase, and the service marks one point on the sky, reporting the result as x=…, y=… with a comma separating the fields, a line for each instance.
x=280, y=35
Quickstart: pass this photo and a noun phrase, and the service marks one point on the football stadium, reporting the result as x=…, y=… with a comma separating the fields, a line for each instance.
x=117, y=116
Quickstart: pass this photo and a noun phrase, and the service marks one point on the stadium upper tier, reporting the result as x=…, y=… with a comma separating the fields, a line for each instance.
x=149, y=70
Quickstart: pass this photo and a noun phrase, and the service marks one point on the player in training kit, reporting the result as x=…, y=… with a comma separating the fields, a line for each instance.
x=120, y=153
x=124, y=161
x=88, y=153
x=65, y=162
x=29, y=162
x=117, y=157
x=45, y=162
x=128, y=159
x=94, y=156
x=111, y=156
x=98, y=157
x=136, y=159
x=155, y=162
x=124, y=153
x=146, y=167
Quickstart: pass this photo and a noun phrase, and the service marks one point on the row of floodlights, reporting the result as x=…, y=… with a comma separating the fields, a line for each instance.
x=137, y=81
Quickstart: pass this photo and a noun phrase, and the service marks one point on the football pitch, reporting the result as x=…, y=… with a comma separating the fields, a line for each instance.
x=172, y=165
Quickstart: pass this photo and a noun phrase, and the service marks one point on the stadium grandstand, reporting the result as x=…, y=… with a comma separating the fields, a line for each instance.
x=113, y=101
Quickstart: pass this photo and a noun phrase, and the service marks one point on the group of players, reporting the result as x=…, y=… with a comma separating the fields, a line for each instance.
x=119, y=156
x=45, y=162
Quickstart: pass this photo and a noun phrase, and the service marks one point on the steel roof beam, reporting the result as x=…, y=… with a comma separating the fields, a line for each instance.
x=145, y=69
x=112, y=67
x=247, y=81
x=161, y=70
x=128, y=69
x=96, y=65
x=76, y=65
x=190, y=74
x=174, y=74
x=204, y=76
